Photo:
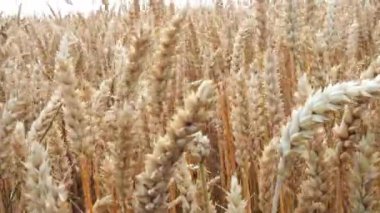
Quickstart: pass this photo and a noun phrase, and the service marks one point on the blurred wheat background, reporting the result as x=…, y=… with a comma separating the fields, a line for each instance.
x=255, y=106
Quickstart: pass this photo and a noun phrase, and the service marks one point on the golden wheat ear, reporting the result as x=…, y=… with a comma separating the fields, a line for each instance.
x=235, y=200
x=304, y=120
x=41, y=194
x=168, y=149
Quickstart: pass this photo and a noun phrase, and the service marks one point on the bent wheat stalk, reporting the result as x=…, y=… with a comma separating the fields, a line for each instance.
x=295, y=135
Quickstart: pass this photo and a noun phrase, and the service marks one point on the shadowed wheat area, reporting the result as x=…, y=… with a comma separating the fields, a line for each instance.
x=270, y=108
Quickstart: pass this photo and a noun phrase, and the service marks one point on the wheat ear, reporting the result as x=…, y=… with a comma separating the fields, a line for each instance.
x=14, y=109
x=40, y=126
x=41, y=193
x=303, y=120
x=74, y=115
x=152, y=183
x=236, y=204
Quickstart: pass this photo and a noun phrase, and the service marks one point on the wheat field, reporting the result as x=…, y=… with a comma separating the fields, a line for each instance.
x=267, y=107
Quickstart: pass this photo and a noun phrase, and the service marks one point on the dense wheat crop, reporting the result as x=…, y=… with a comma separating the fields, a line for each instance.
x=270, y=107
